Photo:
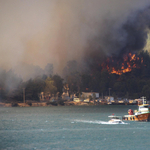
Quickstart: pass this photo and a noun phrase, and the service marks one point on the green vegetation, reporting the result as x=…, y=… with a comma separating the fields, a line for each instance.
x=133, y=84
x=11, y=88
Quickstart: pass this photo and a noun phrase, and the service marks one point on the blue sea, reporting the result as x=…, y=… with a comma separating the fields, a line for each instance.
x=70, y=128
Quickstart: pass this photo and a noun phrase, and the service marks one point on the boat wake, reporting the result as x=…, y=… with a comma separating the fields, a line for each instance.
x=95, y=122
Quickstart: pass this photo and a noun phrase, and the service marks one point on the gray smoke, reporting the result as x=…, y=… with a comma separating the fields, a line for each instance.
x=116, y=40
x=36, y=32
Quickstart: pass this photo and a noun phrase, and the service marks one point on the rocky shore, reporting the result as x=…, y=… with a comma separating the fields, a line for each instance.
x=57, y=103
x=43, y=104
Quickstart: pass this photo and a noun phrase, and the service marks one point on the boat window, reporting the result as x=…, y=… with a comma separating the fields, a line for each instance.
x=143, y=107
x=115, y=118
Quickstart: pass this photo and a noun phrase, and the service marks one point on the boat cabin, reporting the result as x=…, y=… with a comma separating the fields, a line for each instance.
x=114, y=117
x=144, y=107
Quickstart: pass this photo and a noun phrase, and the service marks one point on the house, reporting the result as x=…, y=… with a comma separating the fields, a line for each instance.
x=76, y=99
x=109, y=99
x=133, y=101
x=44, y=96
x=65, y=96
x=87, y=100
x=87, y=94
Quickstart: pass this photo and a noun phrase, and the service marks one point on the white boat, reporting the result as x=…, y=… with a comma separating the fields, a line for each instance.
x=115, y=120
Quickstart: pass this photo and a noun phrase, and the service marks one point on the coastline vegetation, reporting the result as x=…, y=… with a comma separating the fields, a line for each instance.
x=133, y=84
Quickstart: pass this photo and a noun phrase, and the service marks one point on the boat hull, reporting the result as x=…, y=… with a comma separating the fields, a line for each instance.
x=140, y=117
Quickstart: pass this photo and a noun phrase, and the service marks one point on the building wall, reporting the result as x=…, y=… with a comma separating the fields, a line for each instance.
x=87, y=94
x=76, y=100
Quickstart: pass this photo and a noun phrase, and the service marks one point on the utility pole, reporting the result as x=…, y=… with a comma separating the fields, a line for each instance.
x=24, y=95
x=109, y=91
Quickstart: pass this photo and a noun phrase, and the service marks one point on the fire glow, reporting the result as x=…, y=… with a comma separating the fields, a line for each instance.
x=119, y=67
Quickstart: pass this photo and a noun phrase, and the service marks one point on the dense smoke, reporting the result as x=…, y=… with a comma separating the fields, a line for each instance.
x=35, y=32
x=130, y=36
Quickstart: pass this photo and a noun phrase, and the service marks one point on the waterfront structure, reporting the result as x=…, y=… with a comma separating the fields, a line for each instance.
x=87, y=94
x=76, y=99
x=44, y=96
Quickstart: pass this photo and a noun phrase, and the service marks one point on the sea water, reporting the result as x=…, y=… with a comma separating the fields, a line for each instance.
x=70, y=128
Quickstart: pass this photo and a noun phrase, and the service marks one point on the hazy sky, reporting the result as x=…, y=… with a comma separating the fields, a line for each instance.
x=38, y=32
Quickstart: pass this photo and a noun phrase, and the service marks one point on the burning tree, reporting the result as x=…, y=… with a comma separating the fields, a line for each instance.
x=122, y=65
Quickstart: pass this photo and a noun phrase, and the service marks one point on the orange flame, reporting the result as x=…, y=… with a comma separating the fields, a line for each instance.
x=129, y=62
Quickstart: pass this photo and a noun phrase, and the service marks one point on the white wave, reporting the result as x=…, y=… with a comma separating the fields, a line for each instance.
x=96, y=122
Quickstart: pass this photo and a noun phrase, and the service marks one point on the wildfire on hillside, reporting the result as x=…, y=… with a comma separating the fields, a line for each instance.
x=124, y=65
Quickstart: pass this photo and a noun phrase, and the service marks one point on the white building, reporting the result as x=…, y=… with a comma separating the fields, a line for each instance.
x=76, y=99
x=109, y=99
x=87, y=94
x=87, y=100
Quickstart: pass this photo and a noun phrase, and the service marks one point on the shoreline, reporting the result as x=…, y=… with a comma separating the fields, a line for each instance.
x=44, y=104
x=67, y=103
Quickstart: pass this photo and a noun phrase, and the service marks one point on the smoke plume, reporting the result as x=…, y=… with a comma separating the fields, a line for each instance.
x=36, y=32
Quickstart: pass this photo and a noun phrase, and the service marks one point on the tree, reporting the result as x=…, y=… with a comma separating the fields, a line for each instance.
x=94, y=97
x=72, y=77
x=120, y=88
x=104, y=81
x=146, y=91
x=90, y=97
x=58, y=83
x=49, y=86
x=85, y=82
x=33, y=88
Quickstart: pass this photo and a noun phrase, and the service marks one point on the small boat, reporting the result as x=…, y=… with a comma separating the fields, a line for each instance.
x=142, y=114
x=115, y=120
